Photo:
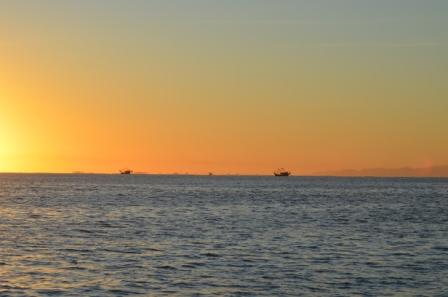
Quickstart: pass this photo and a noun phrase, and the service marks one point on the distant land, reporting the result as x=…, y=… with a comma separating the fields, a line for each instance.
x=434, y=171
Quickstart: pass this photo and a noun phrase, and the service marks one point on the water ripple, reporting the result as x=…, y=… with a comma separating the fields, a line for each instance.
x=99, y=235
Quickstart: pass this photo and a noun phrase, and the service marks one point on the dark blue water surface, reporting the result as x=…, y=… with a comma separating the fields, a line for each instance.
x=112, y=235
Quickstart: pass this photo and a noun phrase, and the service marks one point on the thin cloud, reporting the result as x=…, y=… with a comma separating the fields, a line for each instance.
x=380, y=44
x=244, y=21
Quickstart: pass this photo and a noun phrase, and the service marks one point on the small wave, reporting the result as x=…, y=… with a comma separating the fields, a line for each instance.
x=193, y=265
x=440, y=248
x=167, y=267
x=211, y=255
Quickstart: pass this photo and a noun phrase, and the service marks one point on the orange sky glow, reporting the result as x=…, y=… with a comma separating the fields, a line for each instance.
x=228, y=89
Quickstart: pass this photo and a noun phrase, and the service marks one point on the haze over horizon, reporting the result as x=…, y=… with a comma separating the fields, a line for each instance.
x=224, y=86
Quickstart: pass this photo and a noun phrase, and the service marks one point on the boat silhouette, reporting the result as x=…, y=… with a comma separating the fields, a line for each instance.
x=282, y=172
x=126, y=171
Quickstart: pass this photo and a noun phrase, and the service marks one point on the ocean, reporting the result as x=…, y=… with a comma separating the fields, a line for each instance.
x=126, y=235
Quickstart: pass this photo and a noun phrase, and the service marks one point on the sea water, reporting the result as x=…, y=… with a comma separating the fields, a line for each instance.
x=117, y=235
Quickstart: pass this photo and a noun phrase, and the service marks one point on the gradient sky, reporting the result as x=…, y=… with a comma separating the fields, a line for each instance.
x=236, y=86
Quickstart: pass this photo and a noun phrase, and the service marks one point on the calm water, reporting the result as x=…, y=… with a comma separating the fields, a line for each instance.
x=99, y=235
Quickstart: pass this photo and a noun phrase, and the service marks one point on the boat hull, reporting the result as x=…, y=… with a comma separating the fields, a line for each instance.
x=283, y=174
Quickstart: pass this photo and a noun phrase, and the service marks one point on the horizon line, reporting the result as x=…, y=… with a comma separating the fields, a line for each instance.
x=223, y=175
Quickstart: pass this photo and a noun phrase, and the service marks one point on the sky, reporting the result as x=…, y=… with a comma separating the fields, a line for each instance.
x=243, y=87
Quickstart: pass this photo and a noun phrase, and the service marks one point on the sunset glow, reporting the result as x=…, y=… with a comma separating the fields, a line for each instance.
x=238, y=87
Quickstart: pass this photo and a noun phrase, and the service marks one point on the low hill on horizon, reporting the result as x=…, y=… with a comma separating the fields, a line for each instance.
x=434, y=171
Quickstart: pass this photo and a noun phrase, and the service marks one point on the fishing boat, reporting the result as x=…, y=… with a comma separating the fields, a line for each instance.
x=282, y=172
x=125, y=171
